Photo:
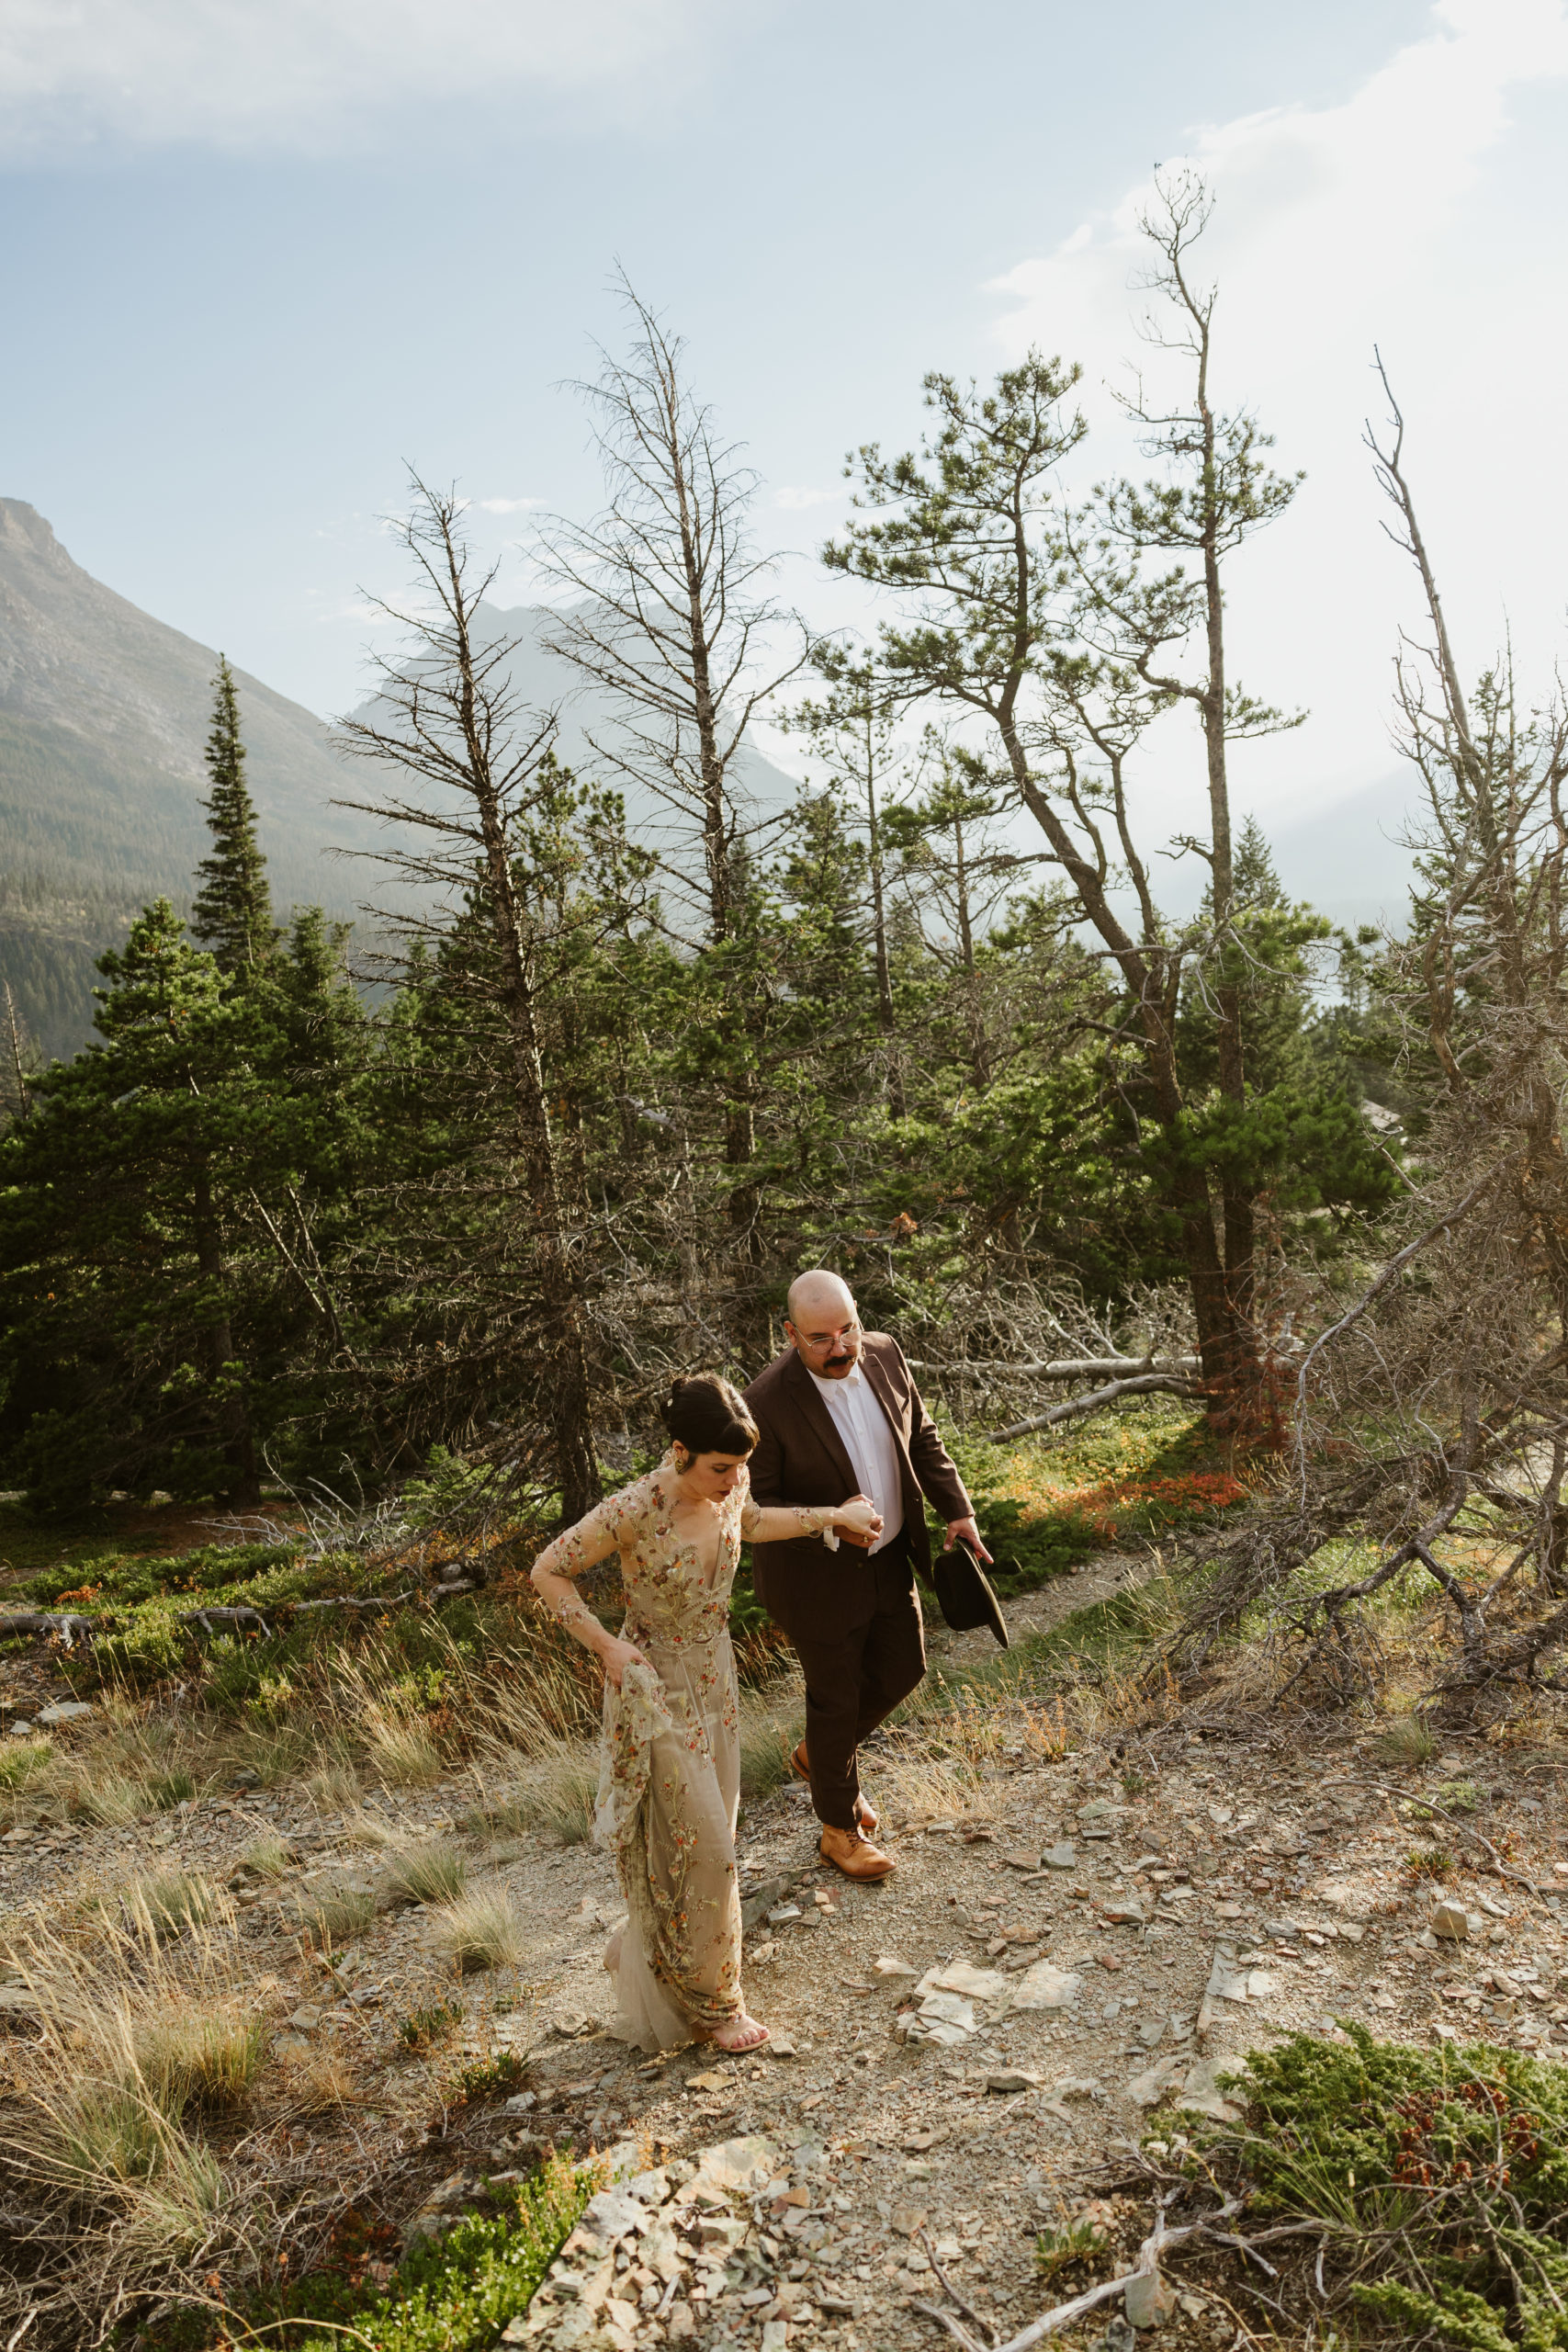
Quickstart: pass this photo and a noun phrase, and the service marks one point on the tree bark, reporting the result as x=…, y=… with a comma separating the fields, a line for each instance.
x=569, y=1410
x=234, y=1419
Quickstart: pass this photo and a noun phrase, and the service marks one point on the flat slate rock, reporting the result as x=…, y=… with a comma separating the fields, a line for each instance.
x=1046, y=1987
x=961, y=1976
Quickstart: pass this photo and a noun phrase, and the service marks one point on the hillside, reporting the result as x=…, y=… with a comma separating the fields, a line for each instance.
x=104, y=712
x=103, y=715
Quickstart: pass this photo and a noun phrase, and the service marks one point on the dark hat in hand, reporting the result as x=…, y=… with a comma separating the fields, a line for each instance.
x=965, y=1596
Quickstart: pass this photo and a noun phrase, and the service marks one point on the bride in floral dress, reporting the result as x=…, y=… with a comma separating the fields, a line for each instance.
x=669, y=1773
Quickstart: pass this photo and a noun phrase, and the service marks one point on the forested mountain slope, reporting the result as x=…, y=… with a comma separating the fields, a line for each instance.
x=104, y=712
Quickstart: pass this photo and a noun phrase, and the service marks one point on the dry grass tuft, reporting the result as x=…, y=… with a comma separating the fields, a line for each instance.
x=334, y=1788
x=274, y=1752
x=321, y=2083
x=430, y=1874
x=332, y=1914
x=1407, y=1740
x=364, y=1828
x=162, y=1791
x=546, y=1691
x=110, y=1799
x=22, y=1760
x=555, y=1789
x=400, y=1750
x=480, y=1929
x=210, y=2058
x=133, y=2038
x=771, y=1724
x=161, y=1904
x=267, y=1857
x=913, y=1788
x=173, y=2210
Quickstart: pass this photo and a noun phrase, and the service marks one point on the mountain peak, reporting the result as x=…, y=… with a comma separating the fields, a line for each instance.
x=22, y=525
x=104, y=714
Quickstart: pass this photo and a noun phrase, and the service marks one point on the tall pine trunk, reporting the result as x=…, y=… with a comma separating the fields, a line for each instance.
x=233, y=1414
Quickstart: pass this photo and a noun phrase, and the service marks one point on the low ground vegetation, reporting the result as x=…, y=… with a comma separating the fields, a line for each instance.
x=278, y=1957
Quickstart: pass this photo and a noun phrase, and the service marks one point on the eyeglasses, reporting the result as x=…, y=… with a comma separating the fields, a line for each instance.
x=814, y=1340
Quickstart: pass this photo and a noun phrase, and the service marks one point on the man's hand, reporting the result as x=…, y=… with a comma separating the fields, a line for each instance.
x=861, y=1515
x=963, y=1531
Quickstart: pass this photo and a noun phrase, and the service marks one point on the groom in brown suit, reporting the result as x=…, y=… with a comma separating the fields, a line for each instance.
x=840, y=1415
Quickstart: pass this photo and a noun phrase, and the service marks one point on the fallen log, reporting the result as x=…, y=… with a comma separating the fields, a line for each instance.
x=1050, y=2323
x=64, y=1622
x=1060, y=1367
x=208, y=1618
x=70, y=1627
x=1162, y=1383
x=346, y=1600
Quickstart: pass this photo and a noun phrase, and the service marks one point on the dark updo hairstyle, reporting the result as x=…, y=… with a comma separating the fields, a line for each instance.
x=706, y=1415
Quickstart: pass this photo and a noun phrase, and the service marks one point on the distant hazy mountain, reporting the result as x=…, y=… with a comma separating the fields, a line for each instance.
x=104, y=713
x=1349, y=858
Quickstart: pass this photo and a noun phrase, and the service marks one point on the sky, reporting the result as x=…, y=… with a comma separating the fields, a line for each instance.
x=262, y=256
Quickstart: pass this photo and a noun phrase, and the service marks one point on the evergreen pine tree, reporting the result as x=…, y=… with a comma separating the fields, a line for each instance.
x=232, y=914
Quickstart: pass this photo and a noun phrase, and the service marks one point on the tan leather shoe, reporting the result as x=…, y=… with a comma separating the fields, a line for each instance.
x=853, y=1853
x=865, y=1812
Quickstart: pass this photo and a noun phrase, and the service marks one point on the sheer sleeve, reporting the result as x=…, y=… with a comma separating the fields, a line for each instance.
x=784, y=1520
x=593, y=1538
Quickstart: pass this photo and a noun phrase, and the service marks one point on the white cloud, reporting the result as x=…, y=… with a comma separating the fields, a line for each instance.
x=796, y=502
x=1427, y=214
x=251, y=73
x=507, y=505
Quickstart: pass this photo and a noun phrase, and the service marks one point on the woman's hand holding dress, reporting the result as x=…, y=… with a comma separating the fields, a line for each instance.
x=616, y=1655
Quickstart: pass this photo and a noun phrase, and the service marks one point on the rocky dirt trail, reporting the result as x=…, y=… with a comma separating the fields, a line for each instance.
x=961, y=2056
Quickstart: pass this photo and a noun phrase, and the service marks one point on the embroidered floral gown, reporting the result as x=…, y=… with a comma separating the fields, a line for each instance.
x=670, y=1772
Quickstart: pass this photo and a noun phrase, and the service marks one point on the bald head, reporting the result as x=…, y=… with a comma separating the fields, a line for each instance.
x=819, y=1290
x=822, y=1323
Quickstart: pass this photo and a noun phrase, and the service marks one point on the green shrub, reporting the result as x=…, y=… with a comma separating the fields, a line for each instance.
x=425, y=2027
x=1461, y=2155
x=148, y=1649
x=455, y=2295
x=495, y=2077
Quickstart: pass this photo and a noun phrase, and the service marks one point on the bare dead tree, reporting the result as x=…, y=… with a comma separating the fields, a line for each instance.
x=1435, y=1401
x=20, y=1056
x=449, y=718
x=674, y=620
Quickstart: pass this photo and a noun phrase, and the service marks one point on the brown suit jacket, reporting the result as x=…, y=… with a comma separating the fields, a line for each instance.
x=801, y=1458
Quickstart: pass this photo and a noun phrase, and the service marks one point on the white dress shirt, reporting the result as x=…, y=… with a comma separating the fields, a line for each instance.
x=868, y=1440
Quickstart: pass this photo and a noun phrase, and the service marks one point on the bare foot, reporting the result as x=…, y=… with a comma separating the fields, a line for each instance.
x=741, y=2033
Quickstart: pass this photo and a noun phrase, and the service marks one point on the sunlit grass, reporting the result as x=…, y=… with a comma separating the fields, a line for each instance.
x=430, y=1873
x=482, y=1930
